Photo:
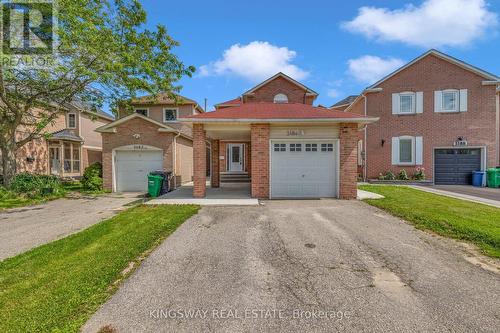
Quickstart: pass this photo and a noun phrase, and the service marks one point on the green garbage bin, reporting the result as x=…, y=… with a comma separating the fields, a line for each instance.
x=493, y=177
x=154, y=185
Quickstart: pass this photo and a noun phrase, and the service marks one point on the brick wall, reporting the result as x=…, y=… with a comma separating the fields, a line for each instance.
x=348, y=160
x=215, y=177
x=279, y=85
x=260, y=160
x=124, y=136
x=200, y=161
x=477, y=125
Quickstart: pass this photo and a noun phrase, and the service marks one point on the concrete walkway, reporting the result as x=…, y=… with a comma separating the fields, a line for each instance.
x=229, y=194
x=22, y=229
x=470, y=195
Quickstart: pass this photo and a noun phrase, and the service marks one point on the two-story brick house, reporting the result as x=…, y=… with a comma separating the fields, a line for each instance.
x=435, y=112
x=68, y=146
x=290, y=148
x=149, y=139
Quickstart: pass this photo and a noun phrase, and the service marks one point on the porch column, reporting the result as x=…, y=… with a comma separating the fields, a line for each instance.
x=199, y=161
x=215, y=179
x=259, y=134
x=348, y=161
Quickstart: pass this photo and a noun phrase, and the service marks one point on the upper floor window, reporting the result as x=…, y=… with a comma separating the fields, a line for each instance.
x=169, y=114
x=450, y=100
x=281, y=98
x=407, y=102
x=143, y=111
x=71, y=120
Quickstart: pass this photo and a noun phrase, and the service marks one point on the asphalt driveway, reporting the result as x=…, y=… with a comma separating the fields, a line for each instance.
x=24, y=228
x=276, y=267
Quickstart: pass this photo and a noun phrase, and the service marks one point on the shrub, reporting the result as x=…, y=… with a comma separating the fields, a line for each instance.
x=402, y=175
x=92, y=177
x=33, y=185
x=419, y=173
x=387, y=176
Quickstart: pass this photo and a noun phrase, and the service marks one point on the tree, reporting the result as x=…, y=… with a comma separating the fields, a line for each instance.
x=104, y=54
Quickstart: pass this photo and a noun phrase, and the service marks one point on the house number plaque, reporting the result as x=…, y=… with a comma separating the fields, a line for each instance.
x=295, y=132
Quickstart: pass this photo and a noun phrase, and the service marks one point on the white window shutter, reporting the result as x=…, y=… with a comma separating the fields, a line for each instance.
x=438, y=99
x=420, y=102
x=395, y=151
x=463, y=100
x=419, y=150
x=395, y=103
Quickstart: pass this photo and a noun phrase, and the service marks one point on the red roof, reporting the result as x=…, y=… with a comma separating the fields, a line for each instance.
x=236, y=101
x=275, y=111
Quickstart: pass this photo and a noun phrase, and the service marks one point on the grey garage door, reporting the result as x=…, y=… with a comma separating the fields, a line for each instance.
x=455, y=166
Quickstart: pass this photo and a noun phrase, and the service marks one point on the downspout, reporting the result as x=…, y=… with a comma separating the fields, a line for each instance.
x=364, y=145
x=498, y=125
x=174, y=159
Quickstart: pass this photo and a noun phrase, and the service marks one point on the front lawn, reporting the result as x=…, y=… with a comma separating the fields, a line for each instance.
x=58, y=286
x=460, y=219
x=10, y=199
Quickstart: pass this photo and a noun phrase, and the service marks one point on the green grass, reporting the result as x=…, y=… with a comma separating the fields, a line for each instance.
x=58, y=286
x=76, y=186
x=9, y=199
x=460, y=219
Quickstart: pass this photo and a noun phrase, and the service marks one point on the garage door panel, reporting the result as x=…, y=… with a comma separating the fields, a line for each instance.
x=455, y=166
x=303, y=174
x=132, y=168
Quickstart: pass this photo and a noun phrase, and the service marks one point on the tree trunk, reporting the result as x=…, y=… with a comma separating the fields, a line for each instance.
x=8, y=161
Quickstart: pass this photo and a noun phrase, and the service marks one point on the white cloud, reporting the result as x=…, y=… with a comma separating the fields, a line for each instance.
x=255, y=61
x=370, y=69
x=333, y=93
x=434, y=23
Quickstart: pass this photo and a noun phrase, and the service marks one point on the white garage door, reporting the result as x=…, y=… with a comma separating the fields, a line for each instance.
x=132, y=168
x=303, y=169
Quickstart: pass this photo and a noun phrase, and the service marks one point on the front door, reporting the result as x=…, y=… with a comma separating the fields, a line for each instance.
x=55, y=161
x=236, y=157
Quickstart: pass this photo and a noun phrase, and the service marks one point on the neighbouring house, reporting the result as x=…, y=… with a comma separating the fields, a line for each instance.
x=68, y=145
x=435, y=112
x=287, y=147
x=150, y=138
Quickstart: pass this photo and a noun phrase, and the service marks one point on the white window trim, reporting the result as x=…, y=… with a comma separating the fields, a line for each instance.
x=281, y=101
x=412, y=138
x=176, y=115
x=413, y=102
x=67, y=120
x=147, y=110
x=457, y=101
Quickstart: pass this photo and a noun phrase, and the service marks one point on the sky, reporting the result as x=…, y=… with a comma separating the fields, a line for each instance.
x=336, y=48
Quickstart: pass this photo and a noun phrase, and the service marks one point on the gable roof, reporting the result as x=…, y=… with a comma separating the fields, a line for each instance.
x=445, y=57
x=165, y=98
x=110, y=128
x=286, y=77
x=346, y=101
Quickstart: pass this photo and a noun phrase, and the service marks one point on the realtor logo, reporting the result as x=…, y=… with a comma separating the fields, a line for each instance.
x=27, y=27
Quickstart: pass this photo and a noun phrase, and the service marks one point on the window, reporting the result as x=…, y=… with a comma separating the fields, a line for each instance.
x=449, y=101
x=327, y=147
x=406, y=103
x=279, y=147
x=71, y=157
x=71, y=120
x=311, y=147
x=169, y=115
x=280, y=98
x=144, y=112
x=405, y=150
x=295, y=146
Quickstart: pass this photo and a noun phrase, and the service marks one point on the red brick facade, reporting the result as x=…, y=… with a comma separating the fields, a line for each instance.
x=266, y=93
x=139, y=132
x=215, y=177
x=348, y=161
x=431, y=73
x=200, y=161
x=260, y=134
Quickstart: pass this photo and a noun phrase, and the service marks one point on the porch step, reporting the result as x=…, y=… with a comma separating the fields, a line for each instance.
x=234, y=178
